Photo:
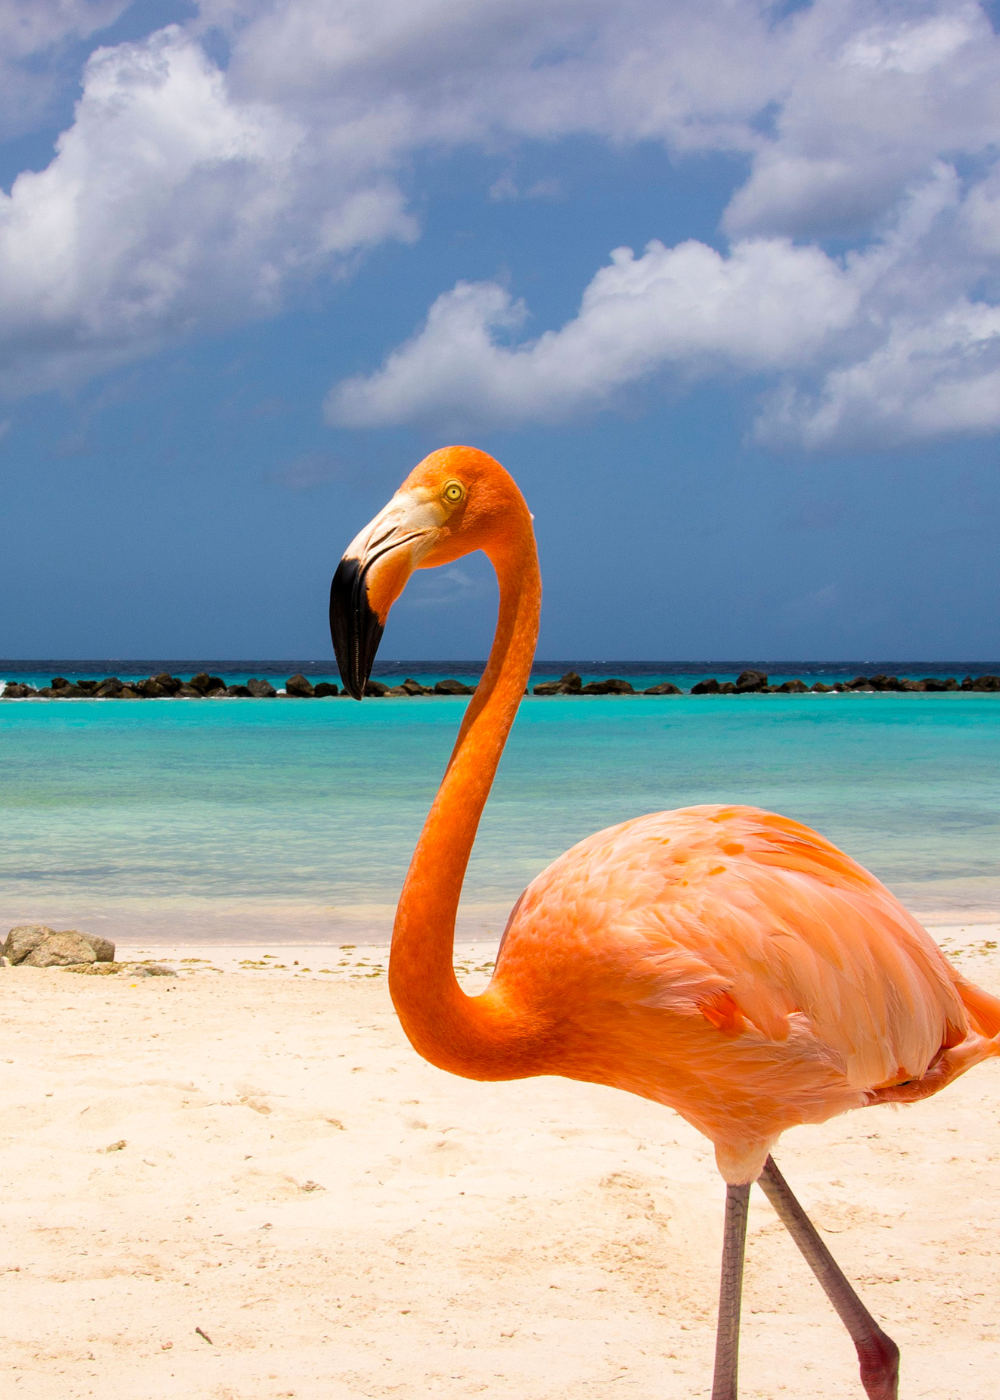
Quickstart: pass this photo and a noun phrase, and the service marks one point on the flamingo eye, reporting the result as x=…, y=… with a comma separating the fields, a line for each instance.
x=453, y=492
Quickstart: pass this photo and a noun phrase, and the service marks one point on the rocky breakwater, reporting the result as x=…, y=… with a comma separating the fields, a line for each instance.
x=166, y=687
x=756, y=683
x=572, y=684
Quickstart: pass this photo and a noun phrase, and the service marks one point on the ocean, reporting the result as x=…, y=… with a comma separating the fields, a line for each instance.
x=293, y=820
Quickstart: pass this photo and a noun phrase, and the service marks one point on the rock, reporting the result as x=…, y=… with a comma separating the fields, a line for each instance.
x=376, y=688
x=707, y=687
x=884, y=682
x=614, y=685
x=569, y=684
x=748, y=681
x=664, y=688
x=97, y=969
x=242, y=691
x=204, y=683
x=59, y=683
x=87, y=687
x=108, y=689
x=171, y=684
x=104, y=949
x=858, y=683
x=261, y=690
x=727, y=688
x=413, y=687
x=325, y=689
x=188, y=692
x=150, y=970
x=396, y=692
x=937, y=684
x=795, y=687
x=18, y=691
x=450, y=686
x=59, y=950
x=128, y=692
x=152, y=689
x=986, y=683
x=22, y=939
x=299, y=687
x=820, y=689
x=908, y=685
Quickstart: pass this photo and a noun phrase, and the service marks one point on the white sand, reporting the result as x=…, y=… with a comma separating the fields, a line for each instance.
x=343, y=1220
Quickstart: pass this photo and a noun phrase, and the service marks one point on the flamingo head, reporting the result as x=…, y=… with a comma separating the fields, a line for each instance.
x=455, y=501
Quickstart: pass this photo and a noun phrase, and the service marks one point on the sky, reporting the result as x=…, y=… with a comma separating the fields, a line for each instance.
x=718, y=281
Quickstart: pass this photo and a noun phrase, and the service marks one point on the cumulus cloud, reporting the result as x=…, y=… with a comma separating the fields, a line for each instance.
x=768, y=304
x=191, y=192
x=876, y=346
x=169, y=207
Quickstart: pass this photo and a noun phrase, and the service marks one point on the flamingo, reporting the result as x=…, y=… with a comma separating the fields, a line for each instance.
x=722, y=960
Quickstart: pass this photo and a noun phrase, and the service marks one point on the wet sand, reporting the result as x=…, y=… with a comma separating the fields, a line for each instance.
x=252, y=1148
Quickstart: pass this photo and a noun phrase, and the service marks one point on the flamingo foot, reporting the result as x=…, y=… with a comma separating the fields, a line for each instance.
x=879, y=1360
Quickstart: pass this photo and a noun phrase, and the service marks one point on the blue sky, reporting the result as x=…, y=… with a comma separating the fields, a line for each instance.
x=257, y=259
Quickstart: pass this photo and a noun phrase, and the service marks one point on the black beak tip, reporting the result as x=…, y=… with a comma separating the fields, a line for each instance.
x=354, y=626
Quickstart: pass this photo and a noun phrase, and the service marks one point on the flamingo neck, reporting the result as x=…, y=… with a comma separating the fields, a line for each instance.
x=480, y=1037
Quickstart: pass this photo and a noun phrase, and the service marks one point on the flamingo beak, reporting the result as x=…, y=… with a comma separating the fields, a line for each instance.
x=370, y=577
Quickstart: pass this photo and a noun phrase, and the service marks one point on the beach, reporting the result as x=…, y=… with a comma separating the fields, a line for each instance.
x=252, y=1148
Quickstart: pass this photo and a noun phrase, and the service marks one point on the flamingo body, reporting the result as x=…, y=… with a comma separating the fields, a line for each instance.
x=738, y=967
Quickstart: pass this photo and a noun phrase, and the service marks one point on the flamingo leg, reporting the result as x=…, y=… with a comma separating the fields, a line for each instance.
x=878, y=1354
x=727, y=1336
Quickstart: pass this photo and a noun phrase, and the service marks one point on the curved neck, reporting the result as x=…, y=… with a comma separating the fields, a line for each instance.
x=479, y=1037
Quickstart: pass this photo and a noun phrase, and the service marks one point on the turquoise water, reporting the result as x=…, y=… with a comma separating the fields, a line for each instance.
x=240, y=819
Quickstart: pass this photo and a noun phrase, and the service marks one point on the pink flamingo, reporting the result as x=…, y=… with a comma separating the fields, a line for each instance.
x=722, y=960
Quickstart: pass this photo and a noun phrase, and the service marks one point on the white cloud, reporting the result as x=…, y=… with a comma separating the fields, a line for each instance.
x=766, y=305
x=890, y=344
x=168, y=208
x=185, y=198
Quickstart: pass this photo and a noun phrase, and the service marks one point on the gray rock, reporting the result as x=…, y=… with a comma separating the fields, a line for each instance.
x=261, y=690
x=151, y=970
x=60, y=950
x=22, y=939
x=104, y=949
x=299, y=687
